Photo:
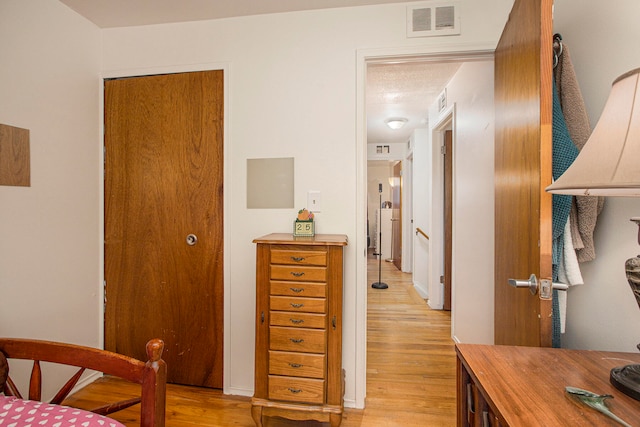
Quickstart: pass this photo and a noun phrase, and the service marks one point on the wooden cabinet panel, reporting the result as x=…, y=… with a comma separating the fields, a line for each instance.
x=298, y=360
x=298, y=273
x=296, y=389
x=298, y=339
x=300, y=289
x=297, y=304
x=298, y=320
x=518, y=386
x=299, y=257
x=297, y=364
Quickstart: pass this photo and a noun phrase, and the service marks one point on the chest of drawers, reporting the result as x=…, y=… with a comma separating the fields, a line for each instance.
x=298, y=360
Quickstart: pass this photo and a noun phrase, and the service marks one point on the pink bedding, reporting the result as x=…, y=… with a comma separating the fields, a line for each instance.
x=16, y=412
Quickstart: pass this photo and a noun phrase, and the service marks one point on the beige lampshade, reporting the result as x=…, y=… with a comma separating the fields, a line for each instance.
x=609, y=163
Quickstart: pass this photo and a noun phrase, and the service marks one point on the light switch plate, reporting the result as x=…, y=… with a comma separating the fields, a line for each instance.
x=313, y=201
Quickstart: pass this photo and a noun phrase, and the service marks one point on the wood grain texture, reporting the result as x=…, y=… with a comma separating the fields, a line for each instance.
x=448, y=217
x=164, y=181
x=411, y=373
x=525, y=386
x=146, y=379
x=523, y=149
x=286, y=265
x=15, y=158
x=411, y=377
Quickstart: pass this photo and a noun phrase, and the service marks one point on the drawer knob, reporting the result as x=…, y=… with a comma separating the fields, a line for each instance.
x=297, y=290
x=297, y=305
x=297, y=273
x=297, y=321
x=297, y=258
x=294, y=390
x=296, y=340
x=295, y=365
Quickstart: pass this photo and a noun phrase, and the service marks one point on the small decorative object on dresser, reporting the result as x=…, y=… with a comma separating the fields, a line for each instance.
x=298, y=360
x=303, y=225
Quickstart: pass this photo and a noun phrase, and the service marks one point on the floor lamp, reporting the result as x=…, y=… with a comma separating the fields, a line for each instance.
x=379, y=284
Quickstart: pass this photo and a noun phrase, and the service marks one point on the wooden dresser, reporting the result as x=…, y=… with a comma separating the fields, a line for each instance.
x=505, y=386
x=298, y=360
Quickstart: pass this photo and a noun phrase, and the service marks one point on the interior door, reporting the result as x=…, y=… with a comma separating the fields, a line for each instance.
x=396, y=216
x=448, y=216
x=163, y=221
x=523, y=98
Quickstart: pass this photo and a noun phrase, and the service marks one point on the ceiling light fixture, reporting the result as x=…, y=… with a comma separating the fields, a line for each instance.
x=396, y=123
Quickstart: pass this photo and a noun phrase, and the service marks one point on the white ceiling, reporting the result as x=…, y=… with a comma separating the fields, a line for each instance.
x=403, y=90
x=393, y=90
x=125, y=13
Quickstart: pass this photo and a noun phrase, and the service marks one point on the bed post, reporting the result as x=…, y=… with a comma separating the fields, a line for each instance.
x=154, y=381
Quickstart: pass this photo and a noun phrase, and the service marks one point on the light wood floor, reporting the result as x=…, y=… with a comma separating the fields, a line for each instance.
x=410, y=371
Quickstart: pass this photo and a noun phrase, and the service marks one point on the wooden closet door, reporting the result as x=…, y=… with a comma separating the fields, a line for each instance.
x=163, y=184
x=523, y=88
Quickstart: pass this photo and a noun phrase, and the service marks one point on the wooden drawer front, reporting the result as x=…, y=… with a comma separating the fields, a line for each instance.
x=298, y=274
x=297, y=339
x=300, y=289
x=306, y=305
x=298, y=320
x=297, y=364
x=296, y=389
x=280, y=256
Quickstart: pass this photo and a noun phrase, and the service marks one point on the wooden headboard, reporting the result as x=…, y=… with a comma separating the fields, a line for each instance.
x=151, y=375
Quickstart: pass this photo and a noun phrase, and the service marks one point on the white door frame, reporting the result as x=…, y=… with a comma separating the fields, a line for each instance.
x=436, y=261
x=461, y=52
x=407, y=212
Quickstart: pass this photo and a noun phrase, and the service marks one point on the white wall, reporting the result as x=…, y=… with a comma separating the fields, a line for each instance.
x=292, y=92
x=49, y=249
x=421, y=209
x=471, y=91
x=295, y=88
x=49, y=232
x=603, y=43
x=378, y=172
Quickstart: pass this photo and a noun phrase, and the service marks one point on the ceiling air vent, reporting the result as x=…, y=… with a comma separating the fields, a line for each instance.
x=433, y=19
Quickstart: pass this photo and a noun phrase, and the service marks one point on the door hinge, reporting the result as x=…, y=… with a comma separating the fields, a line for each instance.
x=443, y=150
x=441, y=279
x=104, y=295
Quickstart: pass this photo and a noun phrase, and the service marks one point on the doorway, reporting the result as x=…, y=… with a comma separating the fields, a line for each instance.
x=434, y=178
x=164, y=220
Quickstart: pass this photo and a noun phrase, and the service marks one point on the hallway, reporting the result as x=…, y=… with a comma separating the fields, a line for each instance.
x=410, y=356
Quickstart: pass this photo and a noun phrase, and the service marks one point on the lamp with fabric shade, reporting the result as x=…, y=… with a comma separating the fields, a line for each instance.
x=609, y=165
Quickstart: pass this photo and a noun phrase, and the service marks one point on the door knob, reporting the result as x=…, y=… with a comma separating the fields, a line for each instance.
x=546, y=286
x=532, y=284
